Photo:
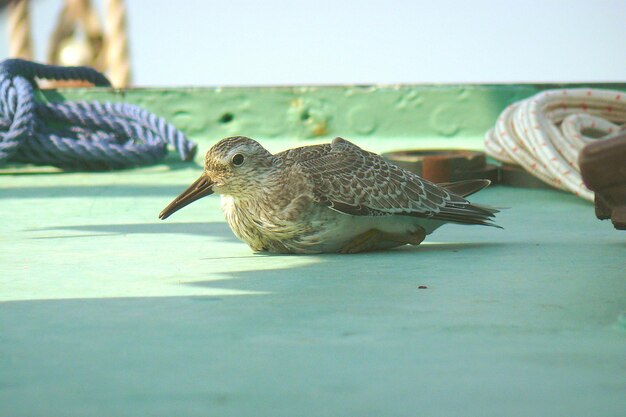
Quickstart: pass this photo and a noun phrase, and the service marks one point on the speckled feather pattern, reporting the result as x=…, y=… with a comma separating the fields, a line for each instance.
x=354, y=181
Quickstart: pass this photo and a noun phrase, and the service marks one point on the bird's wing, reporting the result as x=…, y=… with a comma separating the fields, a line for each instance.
x=303, y=153
x=353, y=181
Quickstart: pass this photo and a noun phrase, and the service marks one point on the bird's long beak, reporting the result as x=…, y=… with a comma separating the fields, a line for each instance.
x=201, y=187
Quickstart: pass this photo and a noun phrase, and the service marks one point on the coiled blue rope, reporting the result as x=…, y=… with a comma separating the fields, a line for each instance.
x=77, y=135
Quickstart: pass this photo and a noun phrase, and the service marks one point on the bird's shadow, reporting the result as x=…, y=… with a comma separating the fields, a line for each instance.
x=214, y=229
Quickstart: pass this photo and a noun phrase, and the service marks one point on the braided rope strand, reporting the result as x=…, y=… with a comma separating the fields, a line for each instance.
x=545, y=133
x=78, y=135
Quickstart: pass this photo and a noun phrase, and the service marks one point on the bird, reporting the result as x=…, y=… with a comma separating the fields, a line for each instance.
x=327, y=198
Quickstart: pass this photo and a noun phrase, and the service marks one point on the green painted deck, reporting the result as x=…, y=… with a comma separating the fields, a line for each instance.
x=106, y=310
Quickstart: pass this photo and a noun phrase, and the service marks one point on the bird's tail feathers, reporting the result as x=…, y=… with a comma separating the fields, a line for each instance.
x=465, y=188
x=468, y=214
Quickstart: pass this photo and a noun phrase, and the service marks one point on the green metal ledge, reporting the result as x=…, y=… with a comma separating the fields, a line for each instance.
x=377, y=112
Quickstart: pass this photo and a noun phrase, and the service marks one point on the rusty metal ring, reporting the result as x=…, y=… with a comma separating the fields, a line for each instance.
x=444, y=165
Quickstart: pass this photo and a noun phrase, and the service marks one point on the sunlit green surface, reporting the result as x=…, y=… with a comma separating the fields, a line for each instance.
x=108, y=311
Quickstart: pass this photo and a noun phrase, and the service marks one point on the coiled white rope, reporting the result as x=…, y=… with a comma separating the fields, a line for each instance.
x=545, y=133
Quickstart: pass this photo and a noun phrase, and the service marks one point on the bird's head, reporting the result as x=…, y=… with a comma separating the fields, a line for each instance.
x=234, y=166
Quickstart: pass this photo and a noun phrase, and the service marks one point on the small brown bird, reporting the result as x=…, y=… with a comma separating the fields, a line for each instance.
x=326, y=198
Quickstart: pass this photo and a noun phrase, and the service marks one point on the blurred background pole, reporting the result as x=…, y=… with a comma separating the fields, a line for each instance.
x=20, y=43
x=116, y=44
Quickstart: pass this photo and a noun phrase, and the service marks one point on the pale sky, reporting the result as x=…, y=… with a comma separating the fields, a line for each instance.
x=239, y=42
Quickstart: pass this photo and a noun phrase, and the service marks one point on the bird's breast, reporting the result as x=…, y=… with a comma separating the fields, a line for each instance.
x=264, y=225
x=240, y=216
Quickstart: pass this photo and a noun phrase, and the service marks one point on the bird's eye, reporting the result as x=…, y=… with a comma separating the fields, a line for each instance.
x=238, y=159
